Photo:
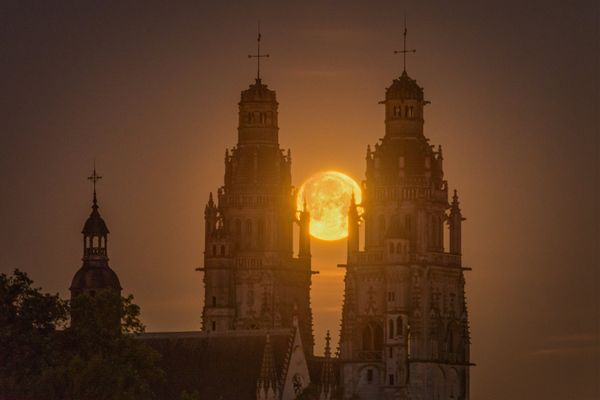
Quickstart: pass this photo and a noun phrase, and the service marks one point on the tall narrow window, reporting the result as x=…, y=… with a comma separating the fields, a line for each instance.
x=367, y=338
x=248, y=238
x=399, y=326
x=391, y=328
x=378, y=338
x=260, y=233
x=369, y=375
x=214, y=325
x=214, y=301
x=381, y=227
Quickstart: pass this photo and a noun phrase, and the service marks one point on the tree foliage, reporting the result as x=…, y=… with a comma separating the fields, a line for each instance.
x=96, y=357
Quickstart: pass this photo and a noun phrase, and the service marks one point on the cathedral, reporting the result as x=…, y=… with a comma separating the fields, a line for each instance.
x=405, y=329
x=404, y=323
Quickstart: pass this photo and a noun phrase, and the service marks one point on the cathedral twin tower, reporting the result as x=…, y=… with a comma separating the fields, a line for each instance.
x=405, y=330
x=252, y=279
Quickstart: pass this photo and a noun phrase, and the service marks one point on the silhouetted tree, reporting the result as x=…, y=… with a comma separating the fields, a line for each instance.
x=97, y=357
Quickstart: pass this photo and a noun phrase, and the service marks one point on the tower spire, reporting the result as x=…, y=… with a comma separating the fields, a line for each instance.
x=258, y=56
x=94, y=178
x=404, y=49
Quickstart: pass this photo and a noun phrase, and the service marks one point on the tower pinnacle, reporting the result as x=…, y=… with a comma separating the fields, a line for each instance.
x=258, y=56
x=94, y=178
x=404, y=49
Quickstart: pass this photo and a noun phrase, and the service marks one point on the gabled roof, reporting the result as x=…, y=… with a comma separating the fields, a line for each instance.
x=218, y=365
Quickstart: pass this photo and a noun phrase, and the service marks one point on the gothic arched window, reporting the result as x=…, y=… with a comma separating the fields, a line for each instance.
x=260, y=233
x=378, y=338
x=222, y=250
x=367, y=338
x=214, y=250
x=381, y=227
x=399, y=326
x=391, y=328
x=214, y=301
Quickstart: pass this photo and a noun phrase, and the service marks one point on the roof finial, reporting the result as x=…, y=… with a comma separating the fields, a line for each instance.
x=405, y=50
x=327, y=344
x=258, y=56
x=94, y=178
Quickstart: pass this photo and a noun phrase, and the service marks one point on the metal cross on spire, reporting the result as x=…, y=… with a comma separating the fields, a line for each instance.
x=94, y=178
x=258, y=56
x=405, y=50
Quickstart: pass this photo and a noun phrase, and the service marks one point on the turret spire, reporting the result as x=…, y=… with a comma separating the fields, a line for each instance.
x=404, y=49
x=327, y=374
x=94, y=178
x=267, y=387
x=258, y=56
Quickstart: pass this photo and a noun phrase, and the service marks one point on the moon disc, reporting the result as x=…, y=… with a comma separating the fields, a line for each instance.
x=328, y=197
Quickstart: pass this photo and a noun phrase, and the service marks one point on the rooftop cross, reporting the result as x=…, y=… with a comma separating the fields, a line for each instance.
x=258, y=56
x=94, y=178
x=404, y=50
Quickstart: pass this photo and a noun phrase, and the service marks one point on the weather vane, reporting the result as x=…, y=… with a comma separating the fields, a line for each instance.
x=94, y=178
x=258, y=56
x=404, y=50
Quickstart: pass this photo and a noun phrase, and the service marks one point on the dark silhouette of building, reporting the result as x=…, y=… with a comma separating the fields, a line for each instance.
x=95, y=274
x=405, y=328
x=252, y=279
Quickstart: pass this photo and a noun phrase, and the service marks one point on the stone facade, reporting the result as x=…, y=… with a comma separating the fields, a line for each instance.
x=405, y=331
x=252, y=279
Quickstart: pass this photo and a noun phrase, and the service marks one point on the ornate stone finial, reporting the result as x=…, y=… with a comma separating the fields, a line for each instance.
x=328, y=384
x=258, y=56
x=295, y=316
x=266, y=386
x=455, y=202
x=404, y=49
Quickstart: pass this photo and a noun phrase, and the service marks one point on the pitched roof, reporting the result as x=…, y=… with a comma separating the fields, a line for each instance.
x=218, y=365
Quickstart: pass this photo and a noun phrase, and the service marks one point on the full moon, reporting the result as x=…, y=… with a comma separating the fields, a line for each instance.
x=328, y=197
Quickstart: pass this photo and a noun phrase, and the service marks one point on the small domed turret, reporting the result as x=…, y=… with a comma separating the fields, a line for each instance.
x=404, y=103
x=404, y=88
x=94, y=274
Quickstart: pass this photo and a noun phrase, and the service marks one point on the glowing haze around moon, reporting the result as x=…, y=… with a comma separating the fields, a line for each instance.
x=328, y=197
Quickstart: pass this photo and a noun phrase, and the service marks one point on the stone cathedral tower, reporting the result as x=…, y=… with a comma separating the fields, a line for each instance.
x=252, y=279
x=405, y=329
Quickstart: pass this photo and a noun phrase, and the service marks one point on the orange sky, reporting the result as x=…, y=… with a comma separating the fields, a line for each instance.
x=152, y=93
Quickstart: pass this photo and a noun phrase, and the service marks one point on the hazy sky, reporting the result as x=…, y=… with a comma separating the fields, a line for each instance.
x=151, y=90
